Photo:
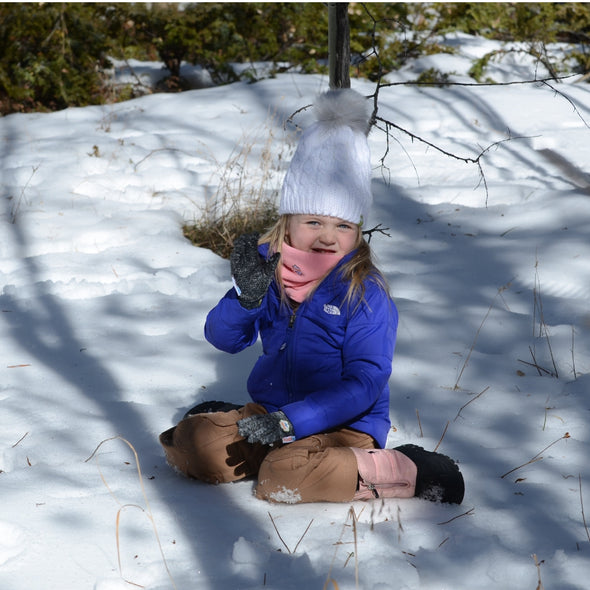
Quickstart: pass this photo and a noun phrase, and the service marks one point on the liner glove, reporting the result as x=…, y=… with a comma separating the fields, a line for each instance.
x=267, y=429
x=251, y=274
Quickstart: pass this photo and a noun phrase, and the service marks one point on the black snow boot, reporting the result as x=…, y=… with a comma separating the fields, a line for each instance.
x=438, y=478
x=212, y=406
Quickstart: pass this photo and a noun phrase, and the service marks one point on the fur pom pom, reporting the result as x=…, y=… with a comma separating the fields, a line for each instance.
x=343, y=108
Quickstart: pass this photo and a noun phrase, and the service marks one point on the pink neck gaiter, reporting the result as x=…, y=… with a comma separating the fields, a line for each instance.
x=301, y=271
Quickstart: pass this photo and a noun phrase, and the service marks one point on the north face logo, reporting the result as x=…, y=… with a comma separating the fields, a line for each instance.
x=331, y=309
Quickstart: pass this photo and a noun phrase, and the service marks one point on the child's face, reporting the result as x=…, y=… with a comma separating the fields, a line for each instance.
x=322, y=234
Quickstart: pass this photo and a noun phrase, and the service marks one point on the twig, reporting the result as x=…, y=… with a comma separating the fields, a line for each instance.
x=537, y=457
x=137, y=78
x=281, y=538
x=351, y=514
x=16, y=207
x=441, y=438
x=468, y=513
x=303, y=535
x=351, y=554
x=538, y=367
x=293, y=114
x=471, y=400
x=467, y=159
x=573, y=355
x=534, y=364
x=419, y=423
x=498, y=294
x=582, y=505
x=543, y=330
x=279, y=534
x=574, y=107
x=20, y=439
x=378, y=229
x=538, y=564
x=509, y=83
x=155, y=151
x=374, y=54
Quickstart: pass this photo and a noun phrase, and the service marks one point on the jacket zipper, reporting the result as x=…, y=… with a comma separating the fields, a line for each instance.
x=289, y=354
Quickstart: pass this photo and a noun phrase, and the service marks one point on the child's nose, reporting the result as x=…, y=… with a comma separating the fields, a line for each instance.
x=327, y=236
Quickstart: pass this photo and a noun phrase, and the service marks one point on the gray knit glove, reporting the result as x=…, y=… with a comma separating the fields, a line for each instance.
x=251, y=274
x=266, y=428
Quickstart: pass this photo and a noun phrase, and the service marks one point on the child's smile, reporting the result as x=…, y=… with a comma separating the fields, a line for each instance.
x=322, y=234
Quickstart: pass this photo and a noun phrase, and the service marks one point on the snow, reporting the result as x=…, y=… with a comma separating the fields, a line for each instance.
x=102, y=305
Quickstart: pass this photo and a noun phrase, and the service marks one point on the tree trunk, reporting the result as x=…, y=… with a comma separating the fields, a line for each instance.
x=338, y=45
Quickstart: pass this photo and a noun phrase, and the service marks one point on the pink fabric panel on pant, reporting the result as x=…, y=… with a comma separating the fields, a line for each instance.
x=385, y=473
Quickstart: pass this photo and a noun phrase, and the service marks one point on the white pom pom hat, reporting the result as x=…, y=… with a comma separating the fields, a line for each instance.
x=330, y=173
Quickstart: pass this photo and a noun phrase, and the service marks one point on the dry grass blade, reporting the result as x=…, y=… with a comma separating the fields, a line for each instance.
x=538, y=565
x=20, y=439
x=352, y=515
x=303, y=535
x=441, y=438
x=354, y=519
x=281, y=538
x=119, y=543
x=278, y=534
x=543, y=329
x=470, y=401
x=582, y=505
x=537, y=457
x=468, y=513
x=573, y=354
x=244, y=200
x=147, y=511
x=419, y=423
x=498, y=294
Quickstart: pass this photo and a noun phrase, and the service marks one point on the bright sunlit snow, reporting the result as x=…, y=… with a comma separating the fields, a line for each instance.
x=103, y=301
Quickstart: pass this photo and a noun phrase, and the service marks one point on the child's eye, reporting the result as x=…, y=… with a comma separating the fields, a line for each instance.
x=345, y=226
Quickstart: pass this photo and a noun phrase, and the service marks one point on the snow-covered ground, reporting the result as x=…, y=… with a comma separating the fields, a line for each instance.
x=102, y=304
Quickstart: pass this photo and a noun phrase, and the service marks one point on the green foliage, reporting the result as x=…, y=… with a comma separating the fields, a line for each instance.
x=213, y=35
x=53, y=55
x=386, y=35
x=533, y=24
x=515, y=21
x=433, y=77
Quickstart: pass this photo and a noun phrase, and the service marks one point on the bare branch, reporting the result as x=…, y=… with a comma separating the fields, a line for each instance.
x=574, y=107
x=467, y=159
x=378, y=229
x=510, y=83
x=471, y=400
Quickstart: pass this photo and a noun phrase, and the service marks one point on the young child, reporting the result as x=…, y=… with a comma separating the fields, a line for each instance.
x=319, y=419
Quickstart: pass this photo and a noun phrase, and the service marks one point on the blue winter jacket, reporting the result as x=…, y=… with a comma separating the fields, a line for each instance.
x=326, y=365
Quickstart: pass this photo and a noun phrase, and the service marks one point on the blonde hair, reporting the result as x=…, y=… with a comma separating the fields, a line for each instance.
x=359, y=269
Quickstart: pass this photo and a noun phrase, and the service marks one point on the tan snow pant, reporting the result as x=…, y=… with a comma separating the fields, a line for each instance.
x=318, y=468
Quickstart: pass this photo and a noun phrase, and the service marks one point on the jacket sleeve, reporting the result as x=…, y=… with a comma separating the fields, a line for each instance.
x=229, y=326
x=367, y=355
